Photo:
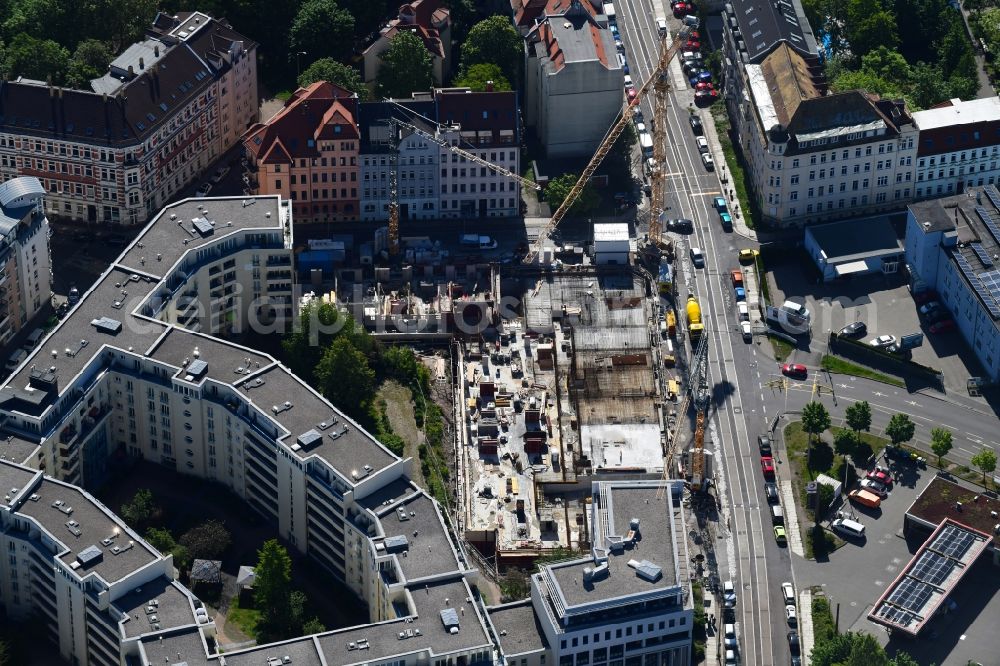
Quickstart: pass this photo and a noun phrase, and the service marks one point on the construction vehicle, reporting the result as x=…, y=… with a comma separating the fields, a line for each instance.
x=671, y=322
x=398, y=126
x=695, y=325
x=658, y=81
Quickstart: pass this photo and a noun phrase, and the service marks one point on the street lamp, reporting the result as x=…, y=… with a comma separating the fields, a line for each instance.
x=298, y=67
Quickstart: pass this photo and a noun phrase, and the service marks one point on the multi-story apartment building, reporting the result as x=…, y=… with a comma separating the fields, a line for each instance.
x=430, y=22
x=959, y=147
x=168, y=106
x=126, y=378
x=571, y=64
x=953, y=247
x=814, y=156
x=308, y=153
x=25, y=262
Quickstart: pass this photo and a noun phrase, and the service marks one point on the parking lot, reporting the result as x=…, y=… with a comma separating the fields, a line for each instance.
x=886, y=306
x=856, y=574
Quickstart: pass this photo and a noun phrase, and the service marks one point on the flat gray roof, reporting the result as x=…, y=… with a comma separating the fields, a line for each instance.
x=16, y=448
x=348, y=453
x=389, y=494
x=165, y=236
x=517, y=628
x=12, y=476
x=301, y=651
x=94, y=522
x=172, y=608
x=614, y=506
x=383, y=639
x=852, y=240
x=184, y=647
x=228, y=363
x=430, y=550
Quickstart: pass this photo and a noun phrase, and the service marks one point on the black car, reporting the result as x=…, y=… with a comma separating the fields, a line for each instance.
x=691, y=66
x=793, y=643
x=764, y=444
x=771, y=490
x=856, y=330
x=680, y=226
x=695, y=124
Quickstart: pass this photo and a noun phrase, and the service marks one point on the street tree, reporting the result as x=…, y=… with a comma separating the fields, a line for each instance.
x=328, y=69
x=272, y=586
x=494, y=41
x=208, y=540
x=859, y=416
x=406, y=67
x=322, y=29
x=480, y=76
x=985, y=461
x=559, y=188
x=815, y=421
x=845, y=442
x=900, y=429
x=941, y=443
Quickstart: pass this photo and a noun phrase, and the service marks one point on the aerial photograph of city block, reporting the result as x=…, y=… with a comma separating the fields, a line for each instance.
x=327, y=327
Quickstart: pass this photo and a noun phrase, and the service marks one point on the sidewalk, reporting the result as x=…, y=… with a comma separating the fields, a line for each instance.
x=805, y=624
x=722, y=170
x=713, y=641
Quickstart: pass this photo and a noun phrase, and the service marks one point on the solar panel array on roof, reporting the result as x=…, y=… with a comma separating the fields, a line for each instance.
x=989, y=222
x=932, y=568
x=911, y=594
x=989, y=300
x=896, y=616
x=993, y=195
x=953, y=542
x=983, y=255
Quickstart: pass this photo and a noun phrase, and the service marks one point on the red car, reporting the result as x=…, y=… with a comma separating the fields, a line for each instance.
x=942, y=326
x=694, y=35
x=692, y=45
x=794, y=370
x=767, y=466
x=704, y=85
x=881, y=475
x=681, y=10
x=630, y=91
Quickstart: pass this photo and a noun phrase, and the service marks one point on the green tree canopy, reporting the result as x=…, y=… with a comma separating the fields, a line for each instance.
x=494, y=41
x=941, y=443
x=870, y=25
x=41, y=59
x=328, y=69
x=845, y=442
x=346, y=378
x=479, y=75
x=855, y=649
x=406, y=67
x=138, y=511
x=900, y=429
x=322, y=29
x=859, y=416
x=90, y=60
x=272, y=587
x=208, y=540
x=815, y=418
x=559, y=188
x=985, y=461
x=163, y=541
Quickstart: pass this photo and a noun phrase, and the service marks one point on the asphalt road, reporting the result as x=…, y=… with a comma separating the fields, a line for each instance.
x=750, y=556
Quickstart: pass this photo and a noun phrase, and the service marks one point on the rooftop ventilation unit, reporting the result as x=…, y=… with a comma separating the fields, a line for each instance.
x=449, y=618
x=396, y=544
x=284, y=407
x=89, y=555
x=646, y=570
x=196, y=370
x=308, y=439
x=402, y=515
x=203, y=226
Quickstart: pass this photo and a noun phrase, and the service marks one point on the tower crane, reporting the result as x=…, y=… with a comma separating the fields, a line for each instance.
x=658, y=82
x=700, y=396
x=396, y=124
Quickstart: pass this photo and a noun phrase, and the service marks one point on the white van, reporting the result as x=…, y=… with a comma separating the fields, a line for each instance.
x=848, y=527
x=797, y=309
x=15, y=360
x=33, y=339
x=661, y=26
x=744, y=310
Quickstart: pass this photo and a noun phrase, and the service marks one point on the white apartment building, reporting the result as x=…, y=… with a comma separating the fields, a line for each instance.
x=815, y=157
x=959, y=147
x=25, y=260
x=574, y=84
x=953, y=246
x=167, y=108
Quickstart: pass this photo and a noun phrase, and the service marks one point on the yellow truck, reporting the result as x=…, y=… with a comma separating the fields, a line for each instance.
x=695, y=327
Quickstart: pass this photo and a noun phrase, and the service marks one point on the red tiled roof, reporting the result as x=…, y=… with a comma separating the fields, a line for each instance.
x=309, y=114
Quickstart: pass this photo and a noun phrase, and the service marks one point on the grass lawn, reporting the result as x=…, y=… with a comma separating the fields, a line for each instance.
x=824, y=628
x=245, y=619
x=844, y=367
x=782, y=348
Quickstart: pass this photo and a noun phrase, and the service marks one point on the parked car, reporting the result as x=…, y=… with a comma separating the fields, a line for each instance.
x=720, y=204
x=881, y=474
x=771, y=492
x=695, y=123
x=703, y=75
x=203, y=190
x=730, y=634
x=875, y=487
x=943, y=326
x=856, y=330
x=790, y=615
x=897, y=350
x=746, y=330
x=794, y=370
x=764, y=444
x=779, y=535
x=729, y=594
x=788, y=592
x=630, y=92
x=767, y=466
x=640, y=127
x=702, y=144
x=681, y=10
x=740, y=293
x=727, y=220
x=882, y=341
x=680, y=226
x=704, y=98
x=747, y=256
x=928, y=308
x=793, y=643
x=707, y=160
